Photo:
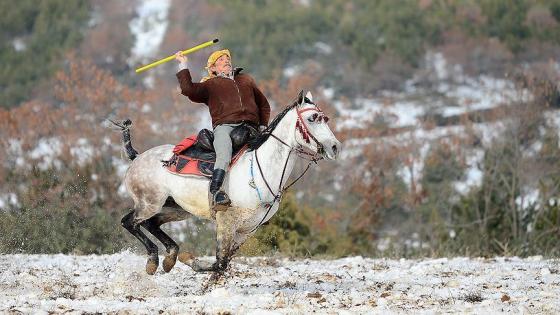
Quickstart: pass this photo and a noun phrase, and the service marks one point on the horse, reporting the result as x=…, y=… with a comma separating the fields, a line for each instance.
x=161, y=197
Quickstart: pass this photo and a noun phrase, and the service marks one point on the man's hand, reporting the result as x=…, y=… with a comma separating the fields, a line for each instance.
x=180, y=58
x=262, y=128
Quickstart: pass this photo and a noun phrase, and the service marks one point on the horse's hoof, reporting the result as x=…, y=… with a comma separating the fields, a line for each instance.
x=152, y=265
x=169, y=261
x=186, y=258
x=216, y=276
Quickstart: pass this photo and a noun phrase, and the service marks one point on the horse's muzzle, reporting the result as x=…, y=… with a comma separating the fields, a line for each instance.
x=332, y=149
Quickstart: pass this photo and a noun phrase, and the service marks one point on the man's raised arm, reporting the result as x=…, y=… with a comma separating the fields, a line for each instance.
x=196, y=92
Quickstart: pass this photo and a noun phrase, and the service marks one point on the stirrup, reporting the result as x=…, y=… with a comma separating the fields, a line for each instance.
x=221, y=200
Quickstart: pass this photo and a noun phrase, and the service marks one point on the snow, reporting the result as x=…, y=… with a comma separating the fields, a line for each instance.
x=405, y=109
x=412, y=173
x=148, y=28
x=15, y=152
x=422, y=139
x=291, y=71
x=328, y=197
x=435, y=61
x=474, y=174
x=146, y=108
x=450, y=93
x=267, y=285
x=14, y=147
x=82, y=151
x=46, y=151
x=19, y=44
x=528, y=198
x=553, y=119
x=120, y=165
x=366, y=111
x=323, y=48
x=149, y=82
x=484, y=92
x=13, y=199
x=328, y=93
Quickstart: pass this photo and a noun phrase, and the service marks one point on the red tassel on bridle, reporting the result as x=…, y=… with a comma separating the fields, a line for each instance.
x=302, y=127
x=303, y=131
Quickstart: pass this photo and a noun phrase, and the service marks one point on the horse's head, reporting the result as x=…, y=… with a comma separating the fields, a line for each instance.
x=313, y=132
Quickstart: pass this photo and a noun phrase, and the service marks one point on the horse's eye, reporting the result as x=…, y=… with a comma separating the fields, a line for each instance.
x=313, y=117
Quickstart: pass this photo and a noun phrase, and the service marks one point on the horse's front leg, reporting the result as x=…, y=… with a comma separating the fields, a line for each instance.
x=196, y=265
x=224, y=252
x=225, y=248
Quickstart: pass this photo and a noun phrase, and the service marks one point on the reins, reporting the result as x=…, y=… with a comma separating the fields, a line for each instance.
x=313, y=158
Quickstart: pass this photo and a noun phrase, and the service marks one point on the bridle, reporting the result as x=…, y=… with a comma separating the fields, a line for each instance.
x=303, y=129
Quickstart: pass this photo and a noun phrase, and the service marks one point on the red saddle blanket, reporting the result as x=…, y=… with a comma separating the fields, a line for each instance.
x=185, y=144
x=184, y=162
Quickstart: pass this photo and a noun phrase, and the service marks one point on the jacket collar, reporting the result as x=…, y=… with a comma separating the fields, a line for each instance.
x=237, y=70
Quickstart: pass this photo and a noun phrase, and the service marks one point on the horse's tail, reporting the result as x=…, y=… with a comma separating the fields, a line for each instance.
x=125, y=128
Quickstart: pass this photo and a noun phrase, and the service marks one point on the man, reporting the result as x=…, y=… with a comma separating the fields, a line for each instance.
x=233, y=99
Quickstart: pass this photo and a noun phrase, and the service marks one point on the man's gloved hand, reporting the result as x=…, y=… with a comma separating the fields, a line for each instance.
x=262, y=128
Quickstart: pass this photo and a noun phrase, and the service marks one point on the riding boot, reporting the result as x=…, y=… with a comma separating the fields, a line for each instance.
x=220, y=200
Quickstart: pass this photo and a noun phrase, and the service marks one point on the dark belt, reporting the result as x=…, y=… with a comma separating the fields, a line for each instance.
x=247, y=122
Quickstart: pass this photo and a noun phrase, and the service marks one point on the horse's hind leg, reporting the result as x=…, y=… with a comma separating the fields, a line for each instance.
x=128, y=223
x=170, y=212
x=153, y=226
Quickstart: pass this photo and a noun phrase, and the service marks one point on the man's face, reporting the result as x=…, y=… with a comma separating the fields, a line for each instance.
x=222, y=64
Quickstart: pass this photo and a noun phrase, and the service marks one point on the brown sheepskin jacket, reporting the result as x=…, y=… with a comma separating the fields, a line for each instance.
x=229, y=101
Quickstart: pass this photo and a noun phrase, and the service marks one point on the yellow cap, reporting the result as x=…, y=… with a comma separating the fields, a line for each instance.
x=215, y=55
x=212, y=60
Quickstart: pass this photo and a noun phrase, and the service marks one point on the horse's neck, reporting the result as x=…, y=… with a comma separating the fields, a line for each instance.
x=272, y=154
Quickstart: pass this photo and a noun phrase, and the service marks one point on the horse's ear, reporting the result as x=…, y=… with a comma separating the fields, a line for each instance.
x=300, y=97
x=309, y=97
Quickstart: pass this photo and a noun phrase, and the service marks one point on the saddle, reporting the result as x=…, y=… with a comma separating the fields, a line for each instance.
x=195, y=155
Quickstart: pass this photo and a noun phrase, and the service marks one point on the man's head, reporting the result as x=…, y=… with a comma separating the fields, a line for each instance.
x=219, y=62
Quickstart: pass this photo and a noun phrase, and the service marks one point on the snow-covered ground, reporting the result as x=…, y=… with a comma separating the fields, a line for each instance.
x=118, y=283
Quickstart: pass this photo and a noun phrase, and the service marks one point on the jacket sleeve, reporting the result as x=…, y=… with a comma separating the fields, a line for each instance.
x=262, y=104
x=196, y=92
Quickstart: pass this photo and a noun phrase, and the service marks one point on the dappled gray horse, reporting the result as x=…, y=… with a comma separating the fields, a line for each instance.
x=255, y=184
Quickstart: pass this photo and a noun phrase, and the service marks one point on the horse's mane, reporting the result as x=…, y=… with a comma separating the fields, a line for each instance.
x=260, y=139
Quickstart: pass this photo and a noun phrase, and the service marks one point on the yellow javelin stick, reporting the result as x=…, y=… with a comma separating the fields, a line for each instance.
x=184, y=52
